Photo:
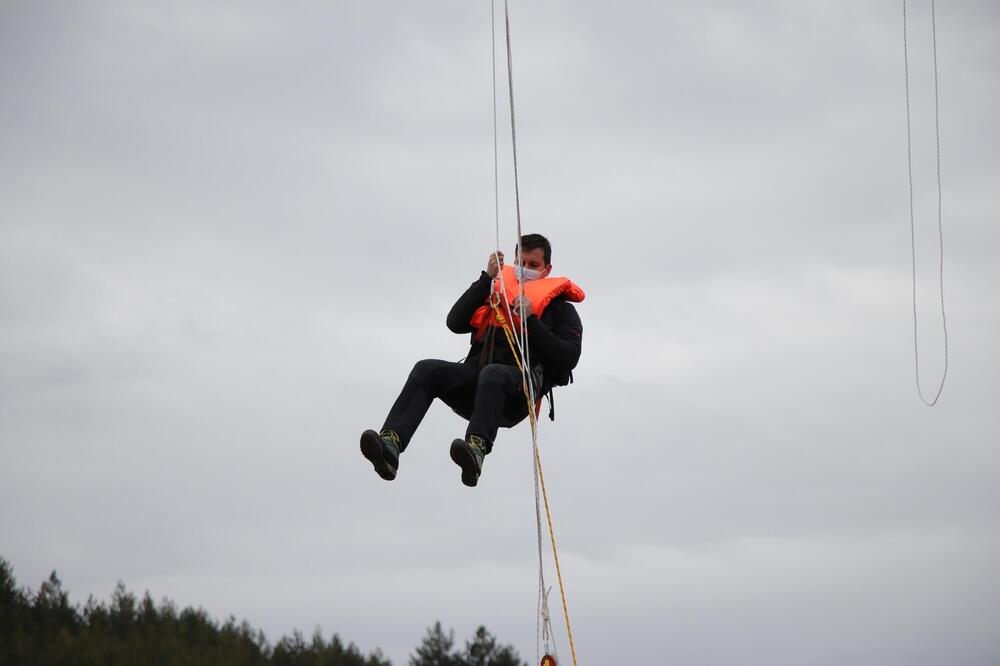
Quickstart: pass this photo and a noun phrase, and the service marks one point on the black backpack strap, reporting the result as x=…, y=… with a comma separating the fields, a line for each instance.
x=486, y=354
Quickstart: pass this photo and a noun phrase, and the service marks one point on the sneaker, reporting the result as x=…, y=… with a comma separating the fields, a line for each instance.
x=468, y=454
x=382, y=451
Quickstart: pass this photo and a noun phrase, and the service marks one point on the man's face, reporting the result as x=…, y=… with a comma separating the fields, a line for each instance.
x=535, y=260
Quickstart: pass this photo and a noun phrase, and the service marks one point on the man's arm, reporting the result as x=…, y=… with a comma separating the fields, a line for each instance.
x=559, y=346
x=461, y=312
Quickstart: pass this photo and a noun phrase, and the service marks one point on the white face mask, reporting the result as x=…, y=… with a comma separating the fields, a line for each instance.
x=526, y=274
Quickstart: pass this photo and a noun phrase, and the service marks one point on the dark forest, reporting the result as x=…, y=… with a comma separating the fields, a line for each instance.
x=42, y=628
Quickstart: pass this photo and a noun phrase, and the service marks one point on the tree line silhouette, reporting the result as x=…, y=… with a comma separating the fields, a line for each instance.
x=44, y=629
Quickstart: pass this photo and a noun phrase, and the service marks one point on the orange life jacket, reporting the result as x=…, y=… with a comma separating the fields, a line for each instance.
x=540, y=292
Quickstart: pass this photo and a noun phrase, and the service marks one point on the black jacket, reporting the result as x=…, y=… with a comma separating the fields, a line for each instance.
x=554, y=339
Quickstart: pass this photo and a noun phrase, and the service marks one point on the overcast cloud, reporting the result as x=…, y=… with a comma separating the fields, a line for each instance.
x=228, y=230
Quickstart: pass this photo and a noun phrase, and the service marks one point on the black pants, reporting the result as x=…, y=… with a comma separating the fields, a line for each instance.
x=488, y=398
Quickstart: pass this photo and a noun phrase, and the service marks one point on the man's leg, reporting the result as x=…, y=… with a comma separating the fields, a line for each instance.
x=497, y=385
x=429, y=379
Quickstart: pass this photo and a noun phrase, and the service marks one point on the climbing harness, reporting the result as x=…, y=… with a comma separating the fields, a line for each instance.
x=913, y=242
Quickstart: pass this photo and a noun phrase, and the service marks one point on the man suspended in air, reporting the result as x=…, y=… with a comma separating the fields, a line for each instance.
x=487, y=388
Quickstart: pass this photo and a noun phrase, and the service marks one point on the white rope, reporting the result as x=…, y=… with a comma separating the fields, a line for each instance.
x=547, y=635
x=496, y=158
x=542, y=619
x=522, y=338
x=913, y=242
x=542, y=626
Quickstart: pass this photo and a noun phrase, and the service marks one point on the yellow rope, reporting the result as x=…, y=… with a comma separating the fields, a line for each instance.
x=509, y=334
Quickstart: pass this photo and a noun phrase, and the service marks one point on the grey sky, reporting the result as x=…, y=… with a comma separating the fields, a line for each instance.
x=228, y=230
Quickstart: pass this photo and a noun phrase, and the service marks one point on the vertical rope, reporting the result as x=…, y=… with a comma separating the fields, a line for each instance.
x=913, y=241
x=540, y=630
x=522, y=332
x=525, y=349
x=527, y=384
x=513, y=139
x=496, y=158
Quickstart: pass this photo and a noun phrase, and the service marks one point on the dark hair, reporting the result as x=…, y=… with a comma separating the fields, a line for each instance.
x=535, y=241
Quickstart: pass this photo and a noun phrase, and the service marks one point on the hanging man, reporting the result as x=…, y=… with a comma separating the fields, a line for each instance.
x=487, y=388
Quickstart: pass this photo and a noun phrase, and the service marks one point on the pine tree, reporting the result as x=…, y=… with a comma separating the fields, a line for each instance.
x=436, y=649
x=483, y=650
x=13, y=617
